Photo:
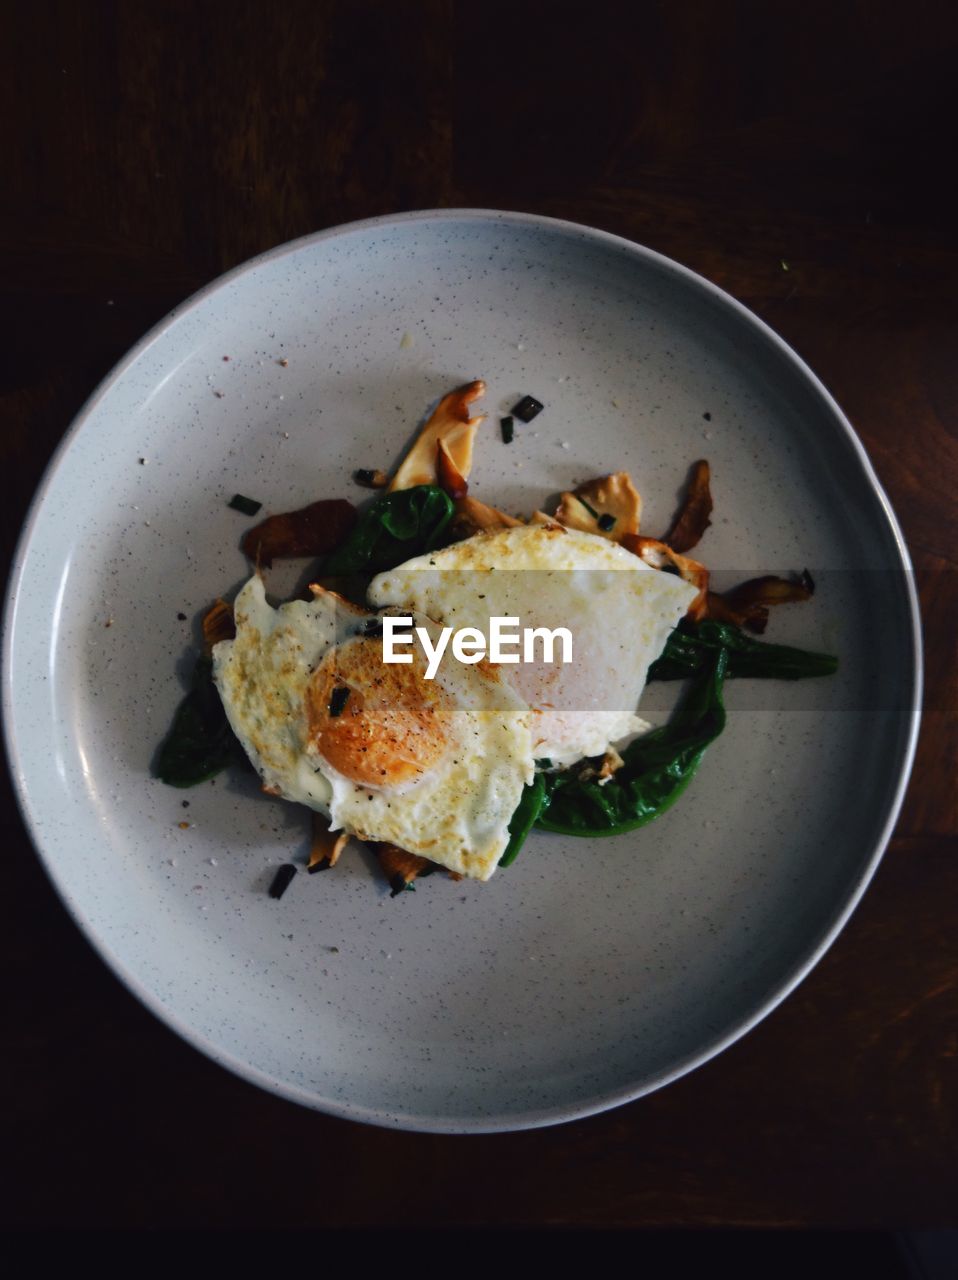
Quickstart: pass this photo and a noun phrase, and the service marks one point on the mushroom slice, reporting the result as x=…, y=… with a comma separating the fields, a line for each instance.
x=326, y=846
x=472, y=516
x=451, y=423
x=401, y=867
x=692, y=518
x=338, y=600
x=549, y=522
x=218, y=625
x=660, y=556
x=603, y=769
x=609, y=506
x=310, y=531
x=450, y=478
x=747, y=605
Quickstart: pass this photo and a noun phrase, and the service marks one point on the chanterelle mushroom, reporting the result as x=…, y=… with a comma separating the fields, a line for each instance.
x=451, y=423
x=609, y=506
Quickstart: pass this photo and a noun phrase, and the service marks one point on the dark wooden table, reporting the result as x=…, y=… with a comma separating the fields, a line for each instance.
x=147, y=148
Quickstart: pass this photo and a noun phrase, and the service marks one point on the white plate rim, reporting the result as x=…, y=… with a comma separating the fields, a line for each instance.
x=612, y=1098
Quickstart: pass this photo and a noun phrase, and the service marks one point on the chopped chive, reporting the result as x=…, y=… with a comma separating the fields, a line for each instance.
x=373, y=627
x=508, y=430
x=606, y=522
x=338, y=700
x=248, y=506
x=527, y=408
x=282, y=880
x=591, y=510
x=321, y=864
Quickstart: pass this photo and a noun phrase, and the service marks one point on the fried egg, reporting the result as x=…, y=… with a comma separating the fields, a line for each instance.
x=436, y=767
x=618, y=609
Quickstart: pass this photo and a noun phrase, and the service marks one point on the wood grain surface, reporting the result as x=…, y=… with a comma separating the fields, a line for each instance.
x=148, y=147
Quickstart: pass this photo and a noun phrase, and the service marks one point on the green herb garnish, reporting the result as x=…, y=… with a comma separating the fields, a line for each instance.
x=591, y=510
x=527, y=408
x=606, y=522
x=507, y=427
x=248, y=506
x=338, y=699
x=282, y=880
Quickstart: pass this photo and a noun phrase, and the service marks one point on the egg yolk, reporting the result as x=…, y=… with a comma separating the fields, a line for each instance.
x=378, y=724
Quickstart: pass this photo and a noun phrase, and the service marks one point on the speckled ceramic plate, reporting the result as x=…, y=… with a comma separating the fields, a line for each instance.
x=586, y=974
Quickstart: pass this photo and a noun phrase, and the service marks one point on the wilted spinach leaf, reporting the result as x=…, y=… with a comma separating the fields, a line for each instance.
x=394, y=528
x=657, y=767
x=200, y=742
x=691, y=645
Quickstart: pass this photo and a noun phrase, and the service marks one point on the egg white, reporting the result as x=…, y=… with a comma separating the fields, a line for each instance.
x=619, y=610
x=455, y=813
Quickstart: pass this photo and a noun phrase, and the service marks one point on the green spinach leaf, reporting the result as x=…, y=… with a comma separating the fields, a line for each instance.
x=657, y=768
x=691, y=646
x=200, y=742
x=394, y=528
x=533, y=800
